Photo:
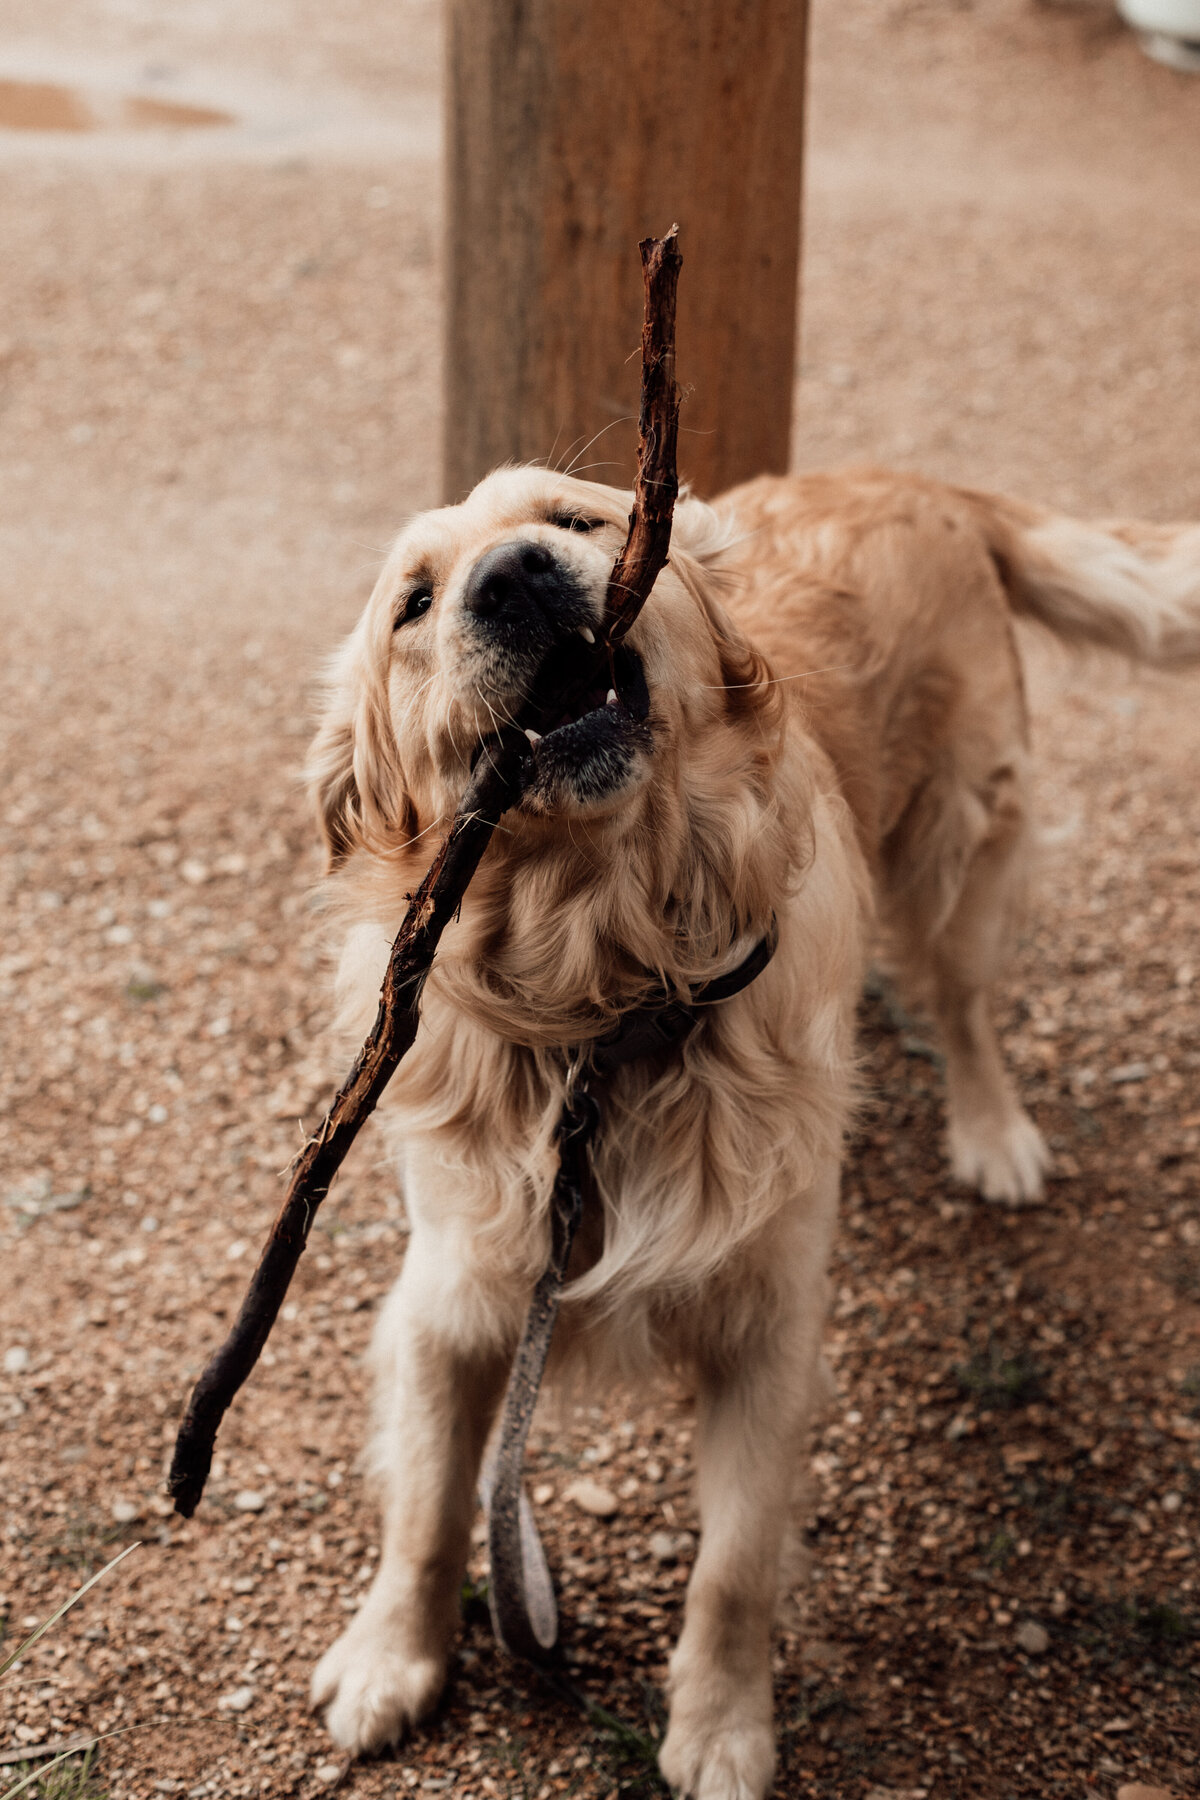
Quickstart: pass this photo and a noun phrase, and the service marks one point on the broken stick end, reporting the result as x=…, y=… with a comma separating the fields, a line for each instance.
x=190, y=1467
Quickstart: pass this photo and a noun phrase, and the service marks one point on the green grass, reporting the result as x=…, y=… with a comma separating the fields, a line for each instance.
x=84, y=1542
x=999, y=1548
x=1154, y=1632
x=999, y=1381
x=70, y=1775
x=626, y=1755
x=140, y=987
x=71, y=1779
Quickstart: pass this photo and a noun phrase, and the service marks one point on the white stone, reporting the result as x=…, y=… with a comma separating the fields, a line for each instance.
x=663, y=1546
x=250, y=1501
x=240, y=1700
x=16, y=1360
x=1033, y=1638
x=591, y=1498
x=124, y=1511
x=327, y=1773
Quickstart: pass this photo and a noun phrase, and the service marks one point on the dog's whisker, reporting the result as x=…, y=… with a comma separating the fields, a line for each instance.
x=554, y=447
x=776, y=680
x=454, y=741
x=427, y=683
x=625, y=419
x=432, y=826
x=582, y=468
x=505, y=714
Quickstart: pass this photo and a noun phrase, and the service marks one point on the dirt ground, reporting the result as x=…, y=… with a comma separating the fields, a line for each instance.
x=218, y=397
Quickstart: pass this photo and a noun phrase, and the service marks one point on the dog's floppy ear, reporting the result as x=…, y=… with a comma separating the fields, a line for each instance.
x=701, y=540
x=354, y=777
x=333, y=789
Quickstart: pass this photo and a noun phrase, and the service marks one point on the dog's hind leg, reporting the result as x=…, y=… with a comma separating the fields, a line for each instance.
x=754, y=1415
x=994, y=1146
x=439, y=1370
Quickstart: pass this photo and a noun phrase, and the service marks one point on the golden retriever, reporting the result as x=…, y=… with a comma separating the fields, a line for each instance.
x=819, y=719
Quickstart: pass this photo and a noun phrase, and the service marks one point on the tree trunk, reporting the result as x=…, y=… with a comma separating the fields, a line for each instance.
x=575, y=128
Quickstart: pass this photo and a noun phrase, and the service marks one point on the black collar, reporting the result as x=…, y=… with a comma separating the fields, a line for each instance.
x=661, y=1023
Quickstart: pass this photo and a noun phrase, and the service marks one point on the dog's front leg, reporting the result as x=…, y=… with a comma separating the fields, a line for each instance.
x=440, y=1365
x=752, y=1429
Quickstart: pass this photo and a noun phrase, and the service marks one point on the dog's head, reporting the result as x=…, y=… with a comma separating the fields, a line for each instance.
x=471, y=603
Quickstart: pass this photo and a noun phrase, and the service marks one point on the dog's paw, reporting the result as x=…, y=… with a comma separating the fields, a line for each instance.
x=372, y=1691
x=731, y=1760
x=1004, y=1159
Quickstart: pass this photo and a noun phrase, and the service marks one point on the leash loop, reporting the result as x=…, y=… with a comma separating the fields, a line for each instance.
x=520, y=1588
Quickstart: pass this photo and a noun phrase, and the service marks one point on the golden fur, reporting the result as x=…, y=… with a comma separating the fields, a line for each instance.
x=837, y=728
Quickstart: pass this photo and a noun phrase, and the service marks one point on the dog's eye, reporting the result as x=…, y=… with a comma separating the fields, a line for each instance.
x=570, y=522
x=418, y=602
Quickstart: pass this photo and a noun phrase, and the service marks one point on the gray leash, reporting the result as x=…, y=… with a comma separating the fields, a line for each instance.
x=520, y=1588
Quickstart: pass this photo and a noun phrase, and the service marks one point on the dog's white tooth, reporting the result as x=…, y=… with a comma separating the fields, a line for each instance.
x=535, y=737
x=586, y=633
x=611, y=698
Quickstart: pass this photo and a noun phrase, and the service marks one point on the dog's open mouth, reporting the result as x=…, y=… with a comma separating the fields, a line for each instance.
x=589, y=753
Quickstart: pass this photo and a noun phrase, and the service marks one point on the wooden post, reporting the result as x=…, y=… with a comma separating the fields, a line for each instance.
x=574, y=129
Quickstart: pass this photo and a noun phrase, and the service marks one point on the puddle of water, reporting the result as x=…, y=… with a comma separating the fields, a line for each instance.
x=140, y=111
x=129, y=112
x=48, y=106
x=42, y=106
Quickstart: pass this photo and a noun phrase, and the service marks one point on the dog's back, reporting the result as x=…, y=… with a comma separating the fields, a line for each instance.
x=886, y=603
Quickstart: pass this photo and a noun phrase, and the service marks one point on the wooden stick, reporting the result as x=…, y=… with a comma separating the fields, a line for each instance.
x=495, y=785
x=656, y=483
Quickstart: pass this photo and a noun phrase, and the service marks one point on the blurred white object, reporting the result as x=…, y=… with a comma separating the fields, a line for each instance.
x=1169, y=30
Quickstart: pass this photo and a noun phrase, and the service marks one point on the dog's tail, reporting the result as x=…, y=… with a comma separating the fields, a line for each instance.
x=1115, y=583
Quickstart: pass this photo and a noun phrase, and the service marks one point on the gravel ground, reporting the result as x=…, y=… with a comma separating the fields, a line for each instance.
x=218, y=382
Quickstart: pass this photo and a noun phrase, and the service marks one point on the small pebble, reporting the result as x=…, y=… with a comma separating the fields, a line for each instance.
x=327, y=1772
x=240, y=1700
x=1171, y=1503
x=1128, y=1072
x=1033, y=1638
x=16, y=1360
x=250, y=1501
x=543, y=1493
x=591, y=1498
x=124, y=1512
x=1137, y=1790
x=663, y=1546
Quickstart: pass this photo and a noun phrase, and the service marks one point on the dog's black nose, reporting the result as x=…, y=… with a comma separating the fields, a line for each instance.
x=512, y=583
